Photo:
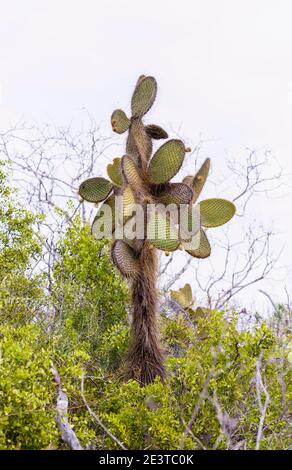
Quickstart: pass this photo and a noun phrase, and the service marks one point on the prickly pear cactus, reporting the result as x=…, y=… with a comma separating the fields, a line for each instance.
x=142, y=179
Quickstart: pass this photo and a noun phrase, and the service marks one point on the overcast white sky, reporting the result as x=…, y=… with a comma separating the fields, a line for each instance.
x=224, y=70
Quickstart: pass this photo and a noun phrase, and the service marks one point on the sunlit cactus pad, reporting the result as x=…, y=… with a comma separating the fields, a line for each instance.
x=161, y=232
x=204, y=249
x=95, y=189
x=114, y=172
x=166, y=162
x=215, y=212
x=120, y=122
x=143, y=96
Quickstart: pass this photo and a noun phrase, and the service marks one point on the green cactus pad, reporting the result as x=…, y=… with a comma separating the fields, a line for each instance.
x=114, y=172
x=204, y=249
x=173, y=193
x=161, y=233
x=108, y=218
x=95, y=189
x=125, y=260
x=166, y=162
x=156, y=132
x=215, y=212
x=197, y=182
x=183, y=296
x=128, y=202
x=143, y=96
x=189, y=222
x=131, y=173
x=120, y=122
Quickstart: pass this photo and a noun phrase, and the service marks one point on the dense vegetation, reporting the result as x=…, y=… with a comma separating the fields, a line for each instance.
x=225, y=388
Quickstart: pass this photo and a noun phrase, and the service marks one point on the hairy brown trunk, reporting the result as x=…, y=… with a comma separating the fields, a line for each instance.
x=145, y=358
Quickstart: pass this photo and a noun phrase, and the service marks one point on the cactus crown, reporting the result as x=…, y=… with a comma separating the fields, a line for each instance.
x=143, y=178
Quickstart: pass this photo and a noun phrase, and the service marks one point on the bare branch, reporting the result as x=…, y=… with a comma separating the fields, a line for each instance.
x=67, y=433
x=261, y=388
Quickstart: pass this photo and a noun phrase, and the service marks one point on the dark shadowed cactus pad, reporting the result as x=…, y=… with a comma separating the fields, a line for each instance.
x=174, y=193
x=143, y=96
x=215, y=212
x=156, y=132
x=95, y=189
x=124, y=258
x=166, y=162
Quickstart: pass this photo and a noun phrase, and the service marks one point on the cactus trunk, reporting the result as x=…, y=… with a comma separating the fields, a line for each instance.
x=145, y=358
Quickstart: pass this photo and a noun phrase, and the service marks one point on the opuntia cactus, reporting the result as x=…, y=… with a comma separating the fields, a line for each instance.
x=141, y=180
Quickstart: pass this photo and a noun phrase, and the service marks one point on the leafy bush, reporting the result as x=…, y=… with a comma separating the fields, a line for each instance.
x=27, y=390
x=219, y=378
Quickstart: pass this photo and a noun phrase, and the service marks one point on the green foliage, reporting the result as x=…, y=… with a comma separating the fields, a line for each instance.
x=153, y=416
x=90, y=335
x=81, y=328
x=20, y=247
x=87, y=288
x=27, y=390
x=19, y=244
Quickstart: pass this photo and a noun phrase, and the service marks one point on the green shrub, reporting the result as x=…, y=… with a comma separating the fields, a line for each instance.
x=81, y=328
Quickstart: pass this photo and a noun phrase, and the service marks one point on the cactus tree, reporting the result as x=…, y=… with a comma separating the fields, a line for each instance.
x=144, y=179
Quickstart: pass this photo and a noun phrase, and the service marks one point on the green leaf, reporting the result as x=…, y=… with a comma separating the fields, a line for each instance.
x=125, y=259
x=215, y=212
x=95, y=189
x=143, y=96
x=120, y=122
x=114, y=172
x=197, y=182
x=166, y=162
